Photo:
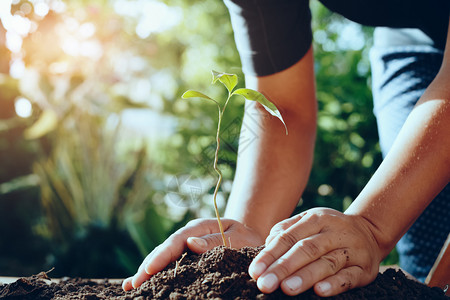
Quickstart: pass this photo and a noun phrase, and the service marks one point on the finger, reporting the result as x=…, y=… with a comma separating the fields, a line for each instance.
x=204, y=243
x=284, y=241
x=139, y=278
x=160, y=257
x=126, y=284
x=141, y=274
x=175, y=245
x=235, y=237
x=342, y=281
x=301, y=254
x=327, y=265
x=282, y=226
x=169, y=251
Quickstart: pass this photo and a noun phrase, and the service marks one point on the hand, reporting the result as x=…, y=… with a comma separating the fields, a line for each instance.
x=199, y=236
x=321, y=247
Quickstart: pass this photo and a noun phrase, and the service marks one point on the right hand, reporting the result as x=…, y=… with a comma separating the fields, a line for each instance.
x=199, y=236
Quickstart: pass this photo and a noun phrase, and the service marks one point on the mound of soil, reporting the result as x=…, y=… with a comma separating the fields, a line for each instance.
x=217, y=274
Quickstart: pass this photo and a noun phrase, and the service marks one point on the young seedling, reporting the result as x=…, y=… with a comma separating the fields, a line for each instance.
x=230, y=81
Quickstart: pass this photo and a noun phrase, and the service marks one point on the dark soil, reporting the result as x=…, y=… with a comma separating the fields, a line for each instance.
x=217, y=274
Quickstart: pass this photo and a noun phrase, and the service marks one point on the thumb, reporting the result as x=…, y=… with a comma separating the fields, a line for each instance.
x=204, y=243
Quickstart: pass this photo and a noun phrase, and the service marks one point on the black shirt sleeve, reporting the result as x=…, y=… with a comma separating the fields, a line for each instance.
x=271, y=35
x=430, y=16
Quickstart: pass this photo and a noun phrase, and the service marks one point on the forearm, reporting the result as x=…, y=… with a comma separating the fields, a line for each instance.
x=415, y=170
x=273, y=168
x=271, y=174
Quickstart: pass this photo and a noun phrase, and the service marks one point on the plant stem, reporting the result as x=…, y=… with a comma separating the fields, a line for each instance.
x=219, y=181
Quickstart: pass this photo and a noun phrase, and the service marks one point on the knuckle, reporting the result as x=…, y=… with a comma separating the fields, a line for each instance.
x=332, y=262
x=308, y=273
x=346, y=285
x=282, y=268
x=268, y=256
x=309, y=248
x=348, y=279
x=284, y=225
x=276, y=229
x=313, y=217
x=364, y=260
x=287, y=238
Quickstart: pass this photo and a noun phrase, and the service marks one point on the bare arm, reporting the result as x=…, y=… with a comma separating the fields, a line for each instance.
x=333, y=251
x=415, y=170
x=273, y=169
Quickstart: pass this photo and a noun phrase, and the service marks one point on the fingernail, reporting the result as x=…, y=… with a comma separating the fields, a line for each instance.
x=147, y=268
x=257, y=269
x=293, y=283
x=324, y=286
x=134, y=282
x=126, y=284
x=199, y=242
x=267, y=282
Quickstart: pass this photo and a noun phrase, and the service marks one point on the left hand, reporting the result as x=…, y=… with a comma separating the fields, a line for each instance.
x=199, y=236
x=321, y=247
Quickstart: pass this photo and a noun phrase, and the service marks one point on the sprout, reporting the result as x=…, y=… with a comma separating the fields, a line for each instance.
x=230, y=81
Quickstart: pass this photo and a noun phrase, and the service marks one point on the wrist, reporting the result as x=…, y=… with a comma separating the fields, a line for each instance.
x=378, y=237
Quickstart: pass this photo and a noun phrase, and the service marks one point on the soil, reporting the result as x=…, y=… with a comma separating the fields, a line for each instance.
x=217, y=274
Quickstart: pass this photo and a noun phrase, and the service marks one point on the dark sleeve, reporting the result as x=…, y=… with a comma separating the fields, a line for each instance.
x=270, y=35
x=430, y=16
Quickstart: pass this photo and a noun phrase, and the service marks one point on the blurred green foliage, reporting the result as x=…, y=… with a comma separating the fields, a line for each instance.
x=111, y=160
x=347, y=150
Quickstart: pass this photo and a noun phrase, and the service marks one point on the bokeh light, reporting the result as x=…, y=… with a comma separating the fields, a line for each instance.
x=23, y=107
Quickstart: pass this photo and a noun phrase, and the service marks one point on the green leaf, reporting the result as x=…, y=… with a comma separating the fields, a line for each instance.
x=195, y=94
x=253, y=95
x=228, y=80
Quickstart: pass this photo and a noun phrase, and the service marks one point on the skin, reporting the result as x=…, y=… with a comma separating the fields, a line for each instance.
x=320, y=248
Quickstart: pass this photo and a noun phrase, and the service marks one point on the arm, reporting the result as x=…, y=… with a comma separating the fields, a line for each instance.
x=273, y=169
x=333, y=251
x=415, y=170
